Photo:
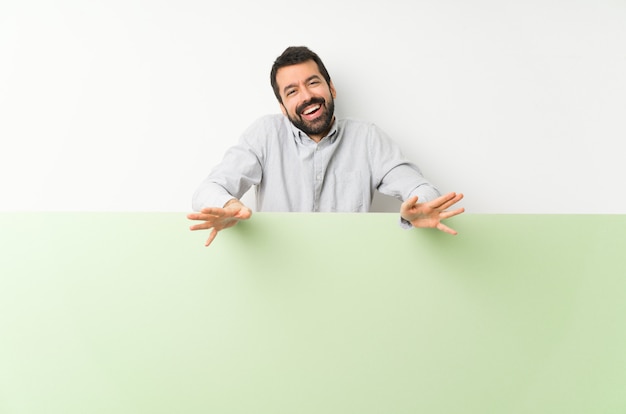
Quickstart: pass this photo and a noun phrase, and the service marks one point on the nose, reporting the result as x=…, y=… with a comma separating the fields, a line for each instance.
x=306, y=94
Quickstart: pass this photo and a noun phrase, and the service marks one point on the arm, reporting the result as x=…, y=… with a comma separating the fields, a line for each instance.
x=429, y=214
x=402, y=179
x=393, y=173
x=218, y=219
x=240, y=168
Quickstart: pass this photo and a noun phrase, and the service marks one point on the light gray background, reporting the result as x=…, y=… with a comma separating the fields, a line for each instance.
x=125, y=105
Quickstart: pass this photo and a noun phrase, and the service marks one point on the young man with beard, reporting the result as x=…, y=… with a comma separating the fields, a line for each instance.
x=306, y=160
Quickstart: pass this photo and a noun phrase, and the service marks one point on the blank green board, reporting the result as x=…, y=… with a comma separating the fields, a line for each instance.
x=312, y=313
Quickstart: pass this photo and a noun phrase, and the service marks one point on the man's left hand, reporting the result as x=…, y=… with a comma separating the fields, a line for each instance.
x=430, y=213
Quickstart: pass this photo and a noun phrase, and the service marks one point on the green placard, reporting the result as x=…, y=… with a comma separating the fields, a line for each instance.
x=312, y=313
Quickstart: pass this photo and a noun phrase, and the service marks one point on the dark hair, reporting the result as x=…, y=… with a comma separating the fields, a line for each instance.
x=292, y=56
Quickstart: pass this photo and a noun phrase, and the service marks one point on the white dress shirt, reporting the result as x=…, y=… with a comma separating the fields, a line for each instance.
x=293, y=173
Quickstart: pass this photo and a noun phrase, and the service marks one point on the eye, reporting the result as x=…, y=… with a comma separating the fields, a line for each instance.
x=290, y=92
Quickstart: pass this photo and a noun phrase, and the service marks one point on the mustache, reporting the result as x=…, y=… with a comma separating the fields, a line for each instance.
x=312, y=101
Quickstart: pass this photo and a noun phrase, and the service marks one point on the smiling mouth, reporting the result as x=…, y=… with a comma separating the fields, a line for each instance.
x=311, y=110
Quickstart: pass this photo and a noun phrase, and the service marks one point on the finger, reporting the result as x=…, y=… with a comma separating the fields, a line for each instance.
x=409, y=202
x=243, y=214
x=447, y=204
x=443, y=201
x=201, y=226
x=202, y=216
x=217, y=211
x=211, y=238
x=448, y=214
x=446, y=229
x=197, y=216
x=453, y=201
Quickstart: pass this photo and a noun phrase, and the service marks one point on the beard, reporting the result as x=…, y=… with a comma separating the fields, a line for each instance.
x=318, y=126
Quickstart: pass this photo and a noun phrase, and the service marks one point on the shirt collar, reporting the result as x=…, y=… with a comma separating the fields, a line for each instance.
x=302, y=138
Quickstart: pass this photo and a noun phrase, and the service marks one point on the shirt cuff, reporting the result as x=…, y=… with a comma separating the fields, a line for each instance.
x=405, y=224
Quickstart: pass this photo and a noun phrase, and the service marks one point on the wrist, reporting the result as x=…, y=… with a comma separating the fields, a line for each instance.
x=231, y=202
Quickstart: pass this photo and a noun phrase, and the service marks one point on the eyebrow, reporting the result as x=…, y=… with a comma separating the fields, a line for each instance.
x=293, y=85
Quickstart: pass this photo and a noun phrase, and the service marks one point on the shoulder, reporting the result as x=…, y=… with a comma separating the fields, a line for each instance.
x=354, y=123
x=364, y=129
x=265, y=127
x=267, y=122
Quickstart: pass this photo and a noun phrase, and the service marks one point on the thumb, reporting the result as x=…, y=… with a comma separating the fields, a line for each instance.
x=410, y=201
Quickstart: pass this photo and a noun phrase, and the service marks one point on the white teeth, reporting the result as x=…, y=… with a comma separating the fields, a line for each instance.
x=311, y=110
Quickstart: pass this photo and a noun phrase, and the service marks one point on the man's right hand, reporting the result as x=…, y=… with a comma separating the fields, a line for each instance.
x=217, y=219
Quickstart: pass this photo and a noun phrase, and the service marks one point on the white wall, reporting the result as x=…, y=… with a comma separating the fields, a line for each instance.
x=125, y=105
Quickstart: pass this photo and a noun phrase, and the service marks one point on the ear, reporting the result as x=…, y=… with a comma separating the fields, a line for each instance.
x=332, y=90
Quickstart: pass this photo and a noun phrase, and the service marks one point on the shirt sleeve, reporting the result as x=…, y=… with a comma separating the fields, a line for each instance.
x=405, y=224
x=397, y=177
x=239, y=170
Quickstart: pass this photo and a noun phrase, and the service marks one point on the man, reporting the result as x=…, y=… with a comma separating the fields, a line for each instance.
x=307, y=160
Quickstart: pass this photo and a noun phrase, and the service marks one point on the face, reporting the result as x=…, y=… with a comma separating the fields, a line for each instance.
x=308, y=100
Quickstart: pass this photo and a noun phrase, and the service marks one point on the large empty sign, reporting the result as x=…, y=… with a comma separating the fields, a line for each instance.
x=312, y=313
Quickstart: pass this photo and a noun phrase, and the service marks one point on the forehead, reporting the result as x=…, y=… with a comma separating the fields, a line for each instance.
x=297, y=73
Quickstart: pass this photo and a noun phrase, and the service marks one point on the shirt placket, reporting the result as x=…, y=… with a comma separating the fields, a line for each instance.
x=318, y=174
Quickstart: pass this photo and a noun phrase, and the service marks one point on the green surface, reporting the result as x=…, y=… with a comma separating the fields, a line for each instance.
x=312, y=313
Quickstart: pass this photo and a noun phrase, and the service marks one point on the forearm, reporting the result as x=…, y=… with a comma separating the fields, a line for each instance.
x=210, y=194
